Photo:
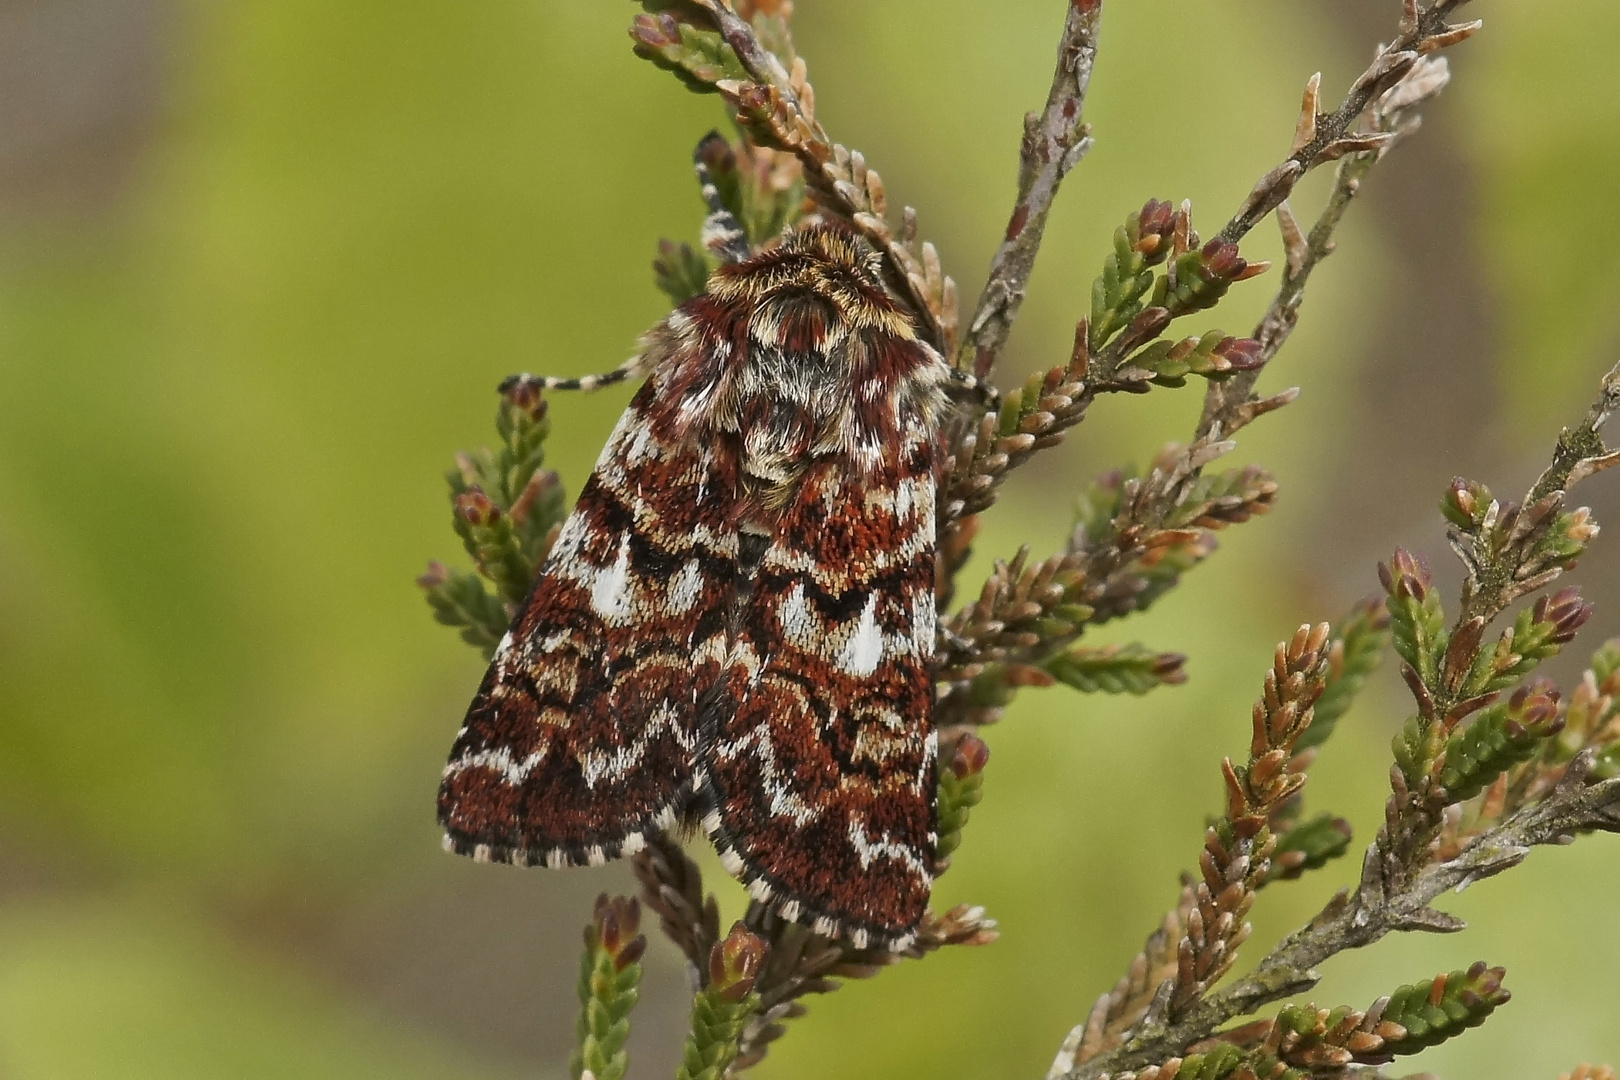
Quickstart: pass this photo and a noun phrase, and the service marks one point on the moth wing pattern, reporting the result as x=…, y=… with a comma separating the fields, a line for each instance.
x=737, y=621
x=820, y=780
x=580, y=741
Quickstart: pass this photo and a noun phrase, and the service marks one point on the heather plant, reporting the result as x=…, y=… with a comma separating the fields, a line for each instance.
x=1492, y=761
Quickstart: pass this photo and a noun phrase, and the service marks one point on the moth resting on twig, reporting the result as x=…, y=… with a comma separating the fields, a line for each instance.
x=736, y=623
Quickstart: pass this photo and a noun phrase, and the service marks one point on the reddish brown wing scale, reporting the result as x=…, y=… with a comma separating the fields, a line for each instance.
x=579, y=743
x=821, y=782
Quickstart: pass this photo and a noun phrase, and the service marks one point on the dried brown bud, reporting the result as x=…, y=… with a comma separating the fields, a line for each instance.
x=656, y=31
x=1221, y=260
x=526, y=395
x=617, y=920
x=971, y=756
x=1566, y=611
x=1241, y=354
x=735, y=963
x=1154, y=225
x=1406, y=575
x=477, y=508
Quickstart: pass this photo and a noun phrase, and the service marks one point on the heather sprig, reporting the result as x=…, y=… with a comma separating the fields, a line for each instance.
x=1308, y=1041
x=961, y=786
x=746, y=56
x=1238, y=847
x=506, y=509
x=1489, y=766
x=723, y=1006
x=1359, y=641
x=1478, y=782
x=1117, y=669
x=609, y=971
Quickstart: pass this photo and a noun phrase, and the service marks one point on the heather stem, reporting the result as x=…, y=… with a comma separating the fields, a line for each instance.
x=1054, y=143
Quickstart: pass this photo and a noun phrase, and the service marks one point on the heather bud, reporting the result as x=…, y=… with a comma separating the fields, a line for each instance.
x=734, y=964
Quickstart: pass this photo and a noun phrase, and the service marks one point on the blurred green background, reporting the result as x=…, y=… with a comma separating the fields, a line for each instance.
x=261, y=266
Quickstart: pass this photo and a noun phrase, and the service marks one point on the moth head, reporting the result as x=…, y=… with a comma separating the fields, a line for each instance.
x=820, y=266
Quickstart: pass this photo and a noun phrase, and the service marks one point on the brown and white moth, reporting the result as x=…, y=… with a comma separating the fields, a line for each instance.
x=736, y=623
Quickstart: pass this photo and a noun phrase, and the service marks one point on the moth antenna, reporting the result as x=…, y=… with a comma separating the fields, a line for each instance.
x=629, y=369
x=722, y=232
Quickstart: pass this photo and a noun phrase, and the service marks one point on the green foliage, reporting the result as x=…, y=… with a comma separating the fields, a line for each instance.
x=961, y=786
x=680, y=271
x=1467, y=504
x=1308, y=846
x=1417, y=621
x=1431, y=1012
x=1413, y=748
x=492, y=538
x=1131, y=307
x=721, y=1008
x=699, y=58
x=1143, y=242
x=1538, y=633
x=506, y=509
x=1199, y=279
x=1218, y=499
x=1606, y=661
x=1020, y=405
x=1504, y=735
x=1359, y=641
x=1150, y=577
x=1213, y=356
x=1565, y=542
x=460, y=600
x=1217, y=1063
x=1117, y=669
x=609, y=970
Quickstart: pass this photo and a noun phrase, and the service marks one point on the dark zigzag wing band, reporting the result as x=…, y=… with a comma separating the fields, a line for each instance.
x=819, y=787
x=580, y=740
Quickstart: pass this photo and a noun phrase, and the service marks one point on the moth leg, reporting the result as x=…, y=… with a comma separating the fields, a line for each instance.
x=948, y=641
x=967, y=384
x=722, y=232
x=635, y=366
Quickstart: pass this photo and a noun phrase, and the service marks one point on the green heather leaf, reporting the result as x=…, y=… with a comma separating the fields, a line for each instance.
x=1606, y=661
x=957, y=798
x=1320, y=841
x=1502, y=736
x=1418, y=630
x=1361, y=638
x=461, y=601
x=1434, y=1011
x=680, y=271
x=1116, y=669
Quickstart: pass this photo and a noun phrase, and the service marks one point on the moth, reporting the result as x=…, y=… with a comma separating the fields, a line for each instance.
x=736, y=624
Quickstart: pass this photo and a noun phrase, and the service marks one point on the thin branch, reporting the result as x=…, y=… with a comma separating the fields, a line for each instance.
x=1351, y=921
x=1325, y=138
x=1400, y=878
x=1054, y=142
x=1392, y=119
x=672, y=885
x=1581, y=452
